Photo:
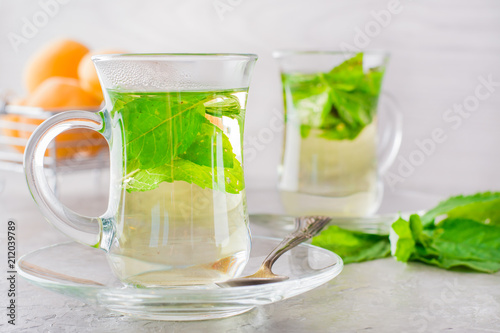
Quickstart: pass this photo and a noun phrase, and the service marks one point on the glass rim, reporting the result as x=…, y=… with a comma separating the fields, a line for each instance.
x=174, y=56
x=287, y=53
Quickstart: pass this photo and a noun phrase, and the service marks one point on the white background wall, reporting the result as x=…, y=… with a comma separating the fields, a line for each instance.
x=439, y=50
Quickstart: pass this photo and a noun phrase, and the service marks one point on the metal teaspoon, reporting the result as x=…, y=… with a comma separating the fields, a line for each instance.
x=305, y=228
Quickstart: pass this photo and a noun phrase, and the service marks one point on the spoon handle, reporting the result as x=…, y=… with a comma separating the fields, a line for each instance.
x=305, y=227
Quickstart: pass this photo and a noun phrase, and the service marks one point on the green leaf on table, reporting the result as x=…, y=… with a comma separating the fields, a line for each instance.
x=402, y=242
x=463, y=243
x=487, y=212
x=481, y=207
x=466, y=236
x=452, y=243
x=353, y=246
x=467, y=239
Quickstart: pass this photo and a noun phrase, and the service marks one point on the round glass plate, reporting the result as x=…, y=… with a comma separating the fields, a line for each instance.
x=82, y=272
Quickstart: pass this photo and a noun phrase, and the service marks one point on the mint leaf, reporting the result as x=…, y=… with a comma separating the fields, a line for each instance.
x=463, y=238
x=158, y=127
x=176, y=137
x=462, y=243
x=486, y=212
x=340, y=103
x=451, y=243
x=200, y=165
x=228, y=180
x=402, y=242
x=223, y=105
x=353, y=246
x=209, y=145
x=308, y=101
x=354, y=96
x=451, y=263
x=348, y=75
x=481, y=207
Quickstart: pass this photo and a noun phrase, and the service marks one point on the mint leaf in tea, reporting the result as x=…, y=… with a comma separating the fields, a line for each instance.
x=340, y=103
x=179, y=136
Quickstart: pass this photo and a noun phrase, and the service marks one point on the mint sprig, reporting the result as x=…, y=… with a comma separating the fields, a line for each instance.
x=461, y=232
x=340, y=103
x=452, y=243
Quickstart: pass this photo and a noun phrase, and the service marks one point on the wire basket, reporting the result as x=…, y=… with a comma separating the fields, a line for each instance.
x=71, y=151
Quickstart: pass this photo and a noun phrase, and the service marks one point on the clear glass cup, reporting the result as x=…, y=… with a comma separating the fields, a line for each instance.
x=177, y=209
x=334, y=151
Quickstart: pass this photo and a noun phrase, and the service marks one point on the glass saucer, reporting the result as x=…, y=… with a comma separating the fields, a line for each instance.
x=82, y=272
x=279, y=226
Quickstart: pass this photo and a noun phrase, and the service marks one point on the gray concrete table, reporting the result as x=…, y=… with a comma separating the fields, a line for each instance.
x=376, y=296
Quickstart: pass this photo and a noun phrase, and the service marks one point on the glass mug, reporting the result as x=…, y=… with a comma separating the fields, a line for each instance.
x=177, y=206
x=332, y=158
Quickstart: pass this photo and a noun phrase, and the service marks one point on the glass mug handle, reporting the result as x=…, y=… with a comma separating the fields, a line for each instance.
x=391, y=132
x=87, y=230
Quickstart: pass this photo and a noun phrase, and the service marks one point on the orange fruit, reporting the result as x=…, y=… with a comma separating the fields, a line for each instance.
x=60, y=92
x=63, y=94
x=14, y=118
x=70, y=144
x=11, y=132
x=51, y=77
x=87, y=73
x=59, y=58
x=18, y=101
